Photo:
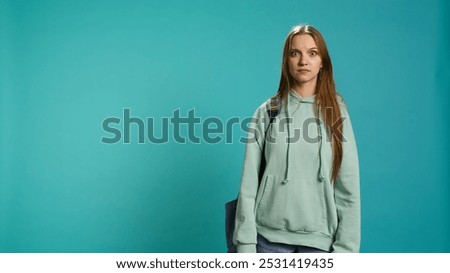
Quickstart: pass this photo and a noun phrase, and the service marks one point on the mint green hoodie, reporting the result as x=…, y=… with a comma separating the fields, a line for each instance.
x=296, y=203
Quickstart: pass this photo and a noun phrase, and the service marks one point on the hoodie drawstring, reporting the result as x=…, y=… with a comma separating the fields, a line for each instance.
x=319, y=130
x=321, y=177
x=288, y=160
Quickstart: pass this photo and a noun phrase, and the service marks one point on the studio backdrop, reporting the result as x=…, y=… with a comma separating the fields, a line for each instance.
x=122, y=121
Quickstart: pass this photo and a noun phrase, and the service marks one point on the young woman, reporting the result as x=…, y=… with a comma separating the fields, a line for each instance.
x=307, y=198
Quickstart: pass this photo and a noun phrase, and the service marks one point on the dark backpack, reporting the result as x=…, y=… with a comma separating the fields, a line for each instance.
x=231, y=206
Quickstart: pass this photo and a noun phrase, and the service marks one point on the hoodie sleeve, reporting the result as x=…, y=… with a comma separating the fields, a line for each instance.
x=347, y=193
x=245, y=226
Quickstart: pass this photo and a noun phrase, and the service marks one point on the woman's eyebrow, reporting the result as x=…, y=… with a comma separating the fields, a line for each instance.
x=295, y=49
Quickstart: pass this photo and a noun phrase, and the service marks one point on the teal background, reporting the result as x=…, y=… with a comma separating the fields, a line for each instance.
x=65, y=66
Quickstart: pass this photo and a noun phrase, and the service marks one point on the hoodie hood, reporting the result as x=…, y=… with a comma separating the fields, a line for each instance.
x=295, y=96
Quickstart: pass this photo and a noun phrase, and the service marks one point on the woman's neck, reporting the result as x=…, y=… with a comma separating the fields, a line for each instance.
x=305, y=89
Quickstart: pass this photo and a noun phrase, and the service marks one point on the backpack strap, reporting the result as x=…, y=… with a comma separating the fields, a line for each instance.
x=273, y=108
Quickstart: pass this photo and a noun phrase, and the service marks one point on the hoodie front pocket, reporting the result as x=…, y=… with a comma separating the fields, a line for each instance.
x=295, y=206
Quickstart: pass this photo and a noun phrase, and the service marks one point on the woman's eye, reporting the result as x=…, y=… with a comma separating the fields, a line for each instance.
x=313, y=53
x=294, y=53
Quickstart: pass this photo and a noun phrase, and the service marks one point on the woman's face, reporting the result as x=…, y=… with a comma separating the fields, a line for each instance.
x=304, y=60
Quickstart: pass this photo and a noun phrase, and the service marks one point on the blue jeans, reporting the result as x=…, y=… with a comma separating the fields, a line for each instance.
x=264, y=246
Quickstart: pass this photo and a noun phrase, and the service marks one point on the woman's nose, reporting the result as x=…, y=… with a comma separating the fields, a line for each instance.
x=302, y=61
